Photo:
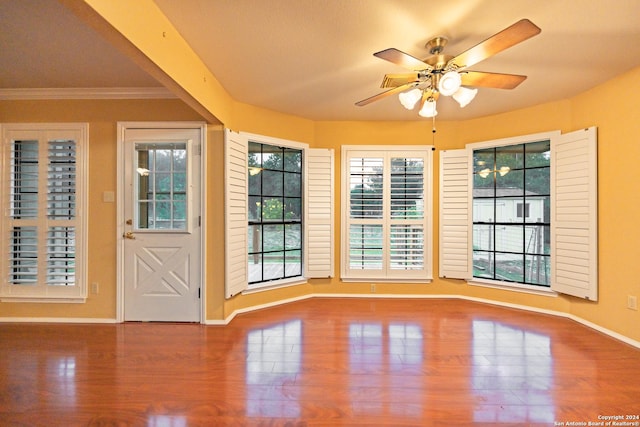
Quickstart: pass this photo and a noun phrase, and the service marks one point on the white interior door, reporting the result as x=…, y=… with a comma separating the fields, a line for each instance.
x=161, y=254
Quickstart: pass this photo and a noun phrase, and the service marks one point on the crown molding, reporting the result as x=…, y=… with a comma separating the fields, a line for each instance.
x=30, y=94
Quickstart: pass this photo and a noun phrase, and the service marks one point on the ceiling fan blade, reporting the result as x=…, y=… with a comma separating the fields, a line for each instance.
x=403, y=59
x=384, y=94
x=493, y=80
x=395, y=80
x=510, y=36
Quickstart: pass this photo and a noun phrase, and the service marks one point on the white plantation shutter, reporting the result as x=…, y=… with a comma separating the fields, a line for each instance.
x=61, y=256
x=318, y=219
x=318, y=211
x=455, y=215
x=236, y=246
x=45, y=168
x=387, y=213
x=61, y=206
x=406, y=239
x=23, y=210
x=364, y=210
x=574, y=208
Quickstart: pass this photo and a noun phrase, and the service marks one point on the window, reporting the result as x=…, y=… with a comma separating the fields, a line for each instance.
x=161, y=187
x=387, y=215
x=523, y=210
x=278, y=212
x=275, y=212
x=521, y=213
x=509, y=184
x=44, y=232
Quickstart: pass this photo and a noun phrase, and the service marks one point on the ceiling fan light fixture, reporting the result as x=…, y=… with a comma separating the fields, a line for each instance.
x=464, y=96
x=428, y=109
x=449, y=83
x=485, y=172
x=410, y=98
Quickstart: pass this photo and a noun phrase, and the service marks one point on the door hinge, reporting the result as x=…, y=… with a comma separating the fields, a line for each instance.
x=200, y=221
x=199, y=293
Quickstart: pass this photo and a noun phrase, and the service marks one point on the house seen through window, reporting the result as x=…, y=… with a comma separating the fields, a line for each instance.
x=511, y=213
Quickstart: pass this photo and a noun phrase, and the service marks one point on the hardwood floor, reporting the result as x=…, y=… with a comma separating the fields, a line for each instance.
x=366, y=362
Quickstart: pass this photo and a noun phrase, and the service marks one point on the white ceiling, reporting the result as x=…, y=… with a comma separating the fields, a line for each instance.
x=313, y=58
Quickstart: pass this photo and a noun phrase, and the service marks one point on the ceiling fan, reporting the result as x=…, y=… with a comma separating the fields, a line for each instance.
x=447, y=75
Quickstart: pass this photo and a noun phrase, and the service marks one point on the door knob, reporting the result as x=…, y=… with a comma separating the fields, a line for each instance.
x=129, y=235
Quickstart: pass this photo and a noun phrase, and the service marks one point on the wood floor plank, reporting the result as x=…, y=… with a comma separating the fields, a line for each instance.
x=361, y=362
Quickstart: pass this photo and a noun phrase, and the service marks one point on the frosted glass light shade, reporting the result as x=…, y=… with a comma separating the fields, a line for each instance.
x=428, y=109
x=410, y=98
x=449, y=83
x=464, y=96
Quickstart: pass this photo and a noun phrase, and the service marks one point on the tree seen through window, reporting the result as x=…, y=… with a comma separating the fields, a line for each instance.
x=275, y=212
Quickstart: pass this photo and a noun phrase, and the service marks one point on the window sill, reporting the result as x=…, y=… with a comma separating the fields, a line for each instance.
x=515, y=287
x=285, y=283
x=382, y=280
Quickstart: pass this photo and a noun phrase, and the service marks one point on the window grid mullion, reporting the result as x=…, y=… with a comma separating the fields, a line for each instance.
x=282, y=222
x=527, y=231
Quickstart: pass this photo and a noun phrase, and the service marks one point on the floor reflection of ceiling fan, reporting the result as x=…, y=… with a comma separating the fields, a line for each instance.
x=447, y=75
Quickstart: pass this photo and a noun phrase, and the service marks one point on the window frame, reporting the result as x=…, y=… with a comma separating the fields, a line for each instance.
x=283, y=222
x=387, y=274
x=505, y=142
x=497, y=199
x=574, y=214
x=318, y=205
x=151, y=187
x=44, y=133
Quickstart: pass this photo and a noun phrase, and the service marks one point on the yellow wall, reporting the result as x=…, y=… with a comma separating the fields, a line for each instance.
x=102, y=117
x=615, y=117
x=619, y=231
x=145, y=34
x=614, y=108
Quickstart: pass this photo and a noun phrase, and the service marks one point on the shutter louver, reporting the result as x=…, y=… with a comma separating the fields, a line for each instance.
x=23, y=256
x=236, y=278
x=318, y=218
x=45, y=237
x=406, y=243
x=365, y=181
x=61, y=257
x=574, y=214
x=387, y=213
x=365, y=247
x=455, y=229
x=406, y=247
x=24, y=178
x=61, y=180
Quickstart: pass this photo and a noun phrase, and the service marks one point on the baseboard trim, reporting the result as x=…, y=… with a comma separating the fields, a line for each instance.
x=55, y=320
x=228, y=319
x=569, y=316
